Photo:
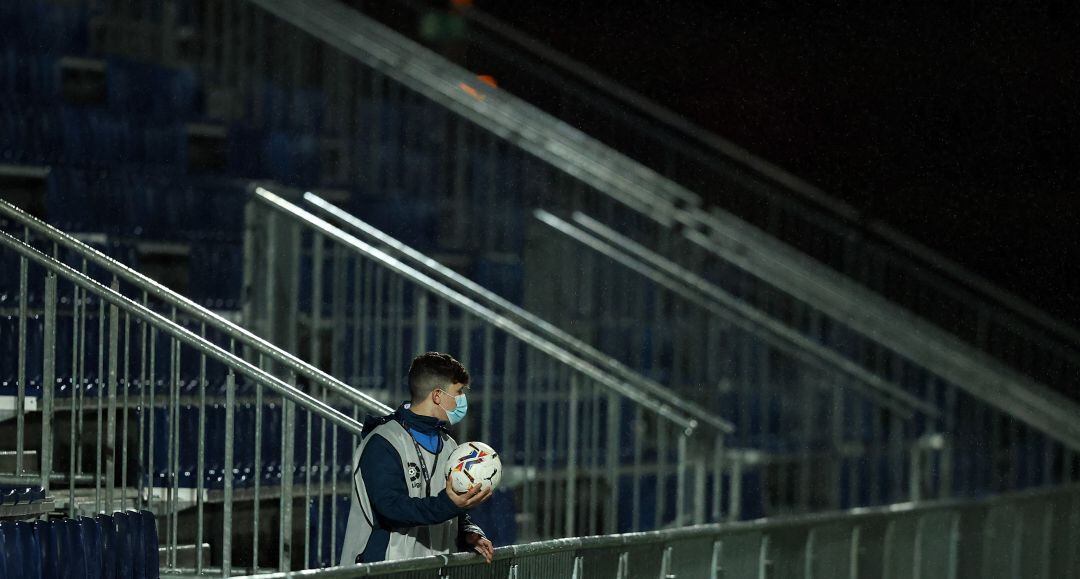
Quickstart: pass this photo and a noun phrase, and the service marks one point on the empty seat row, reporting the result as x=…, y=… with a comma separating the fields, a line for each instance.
x=121, y=546
x=21, y=495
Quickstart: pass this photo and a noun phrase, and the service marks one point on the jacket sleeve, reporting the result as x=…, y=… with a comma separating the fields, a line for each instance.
x=466, y=526
x=380, y=466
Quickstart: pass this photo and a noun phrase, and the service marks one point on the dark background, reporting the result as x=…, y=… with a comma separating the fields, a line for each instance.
x=958, y=124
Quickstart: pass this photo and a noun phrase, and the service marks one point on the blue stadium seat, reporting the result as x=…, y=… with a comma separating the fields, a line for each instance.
x=149, y=540
x=109, y=547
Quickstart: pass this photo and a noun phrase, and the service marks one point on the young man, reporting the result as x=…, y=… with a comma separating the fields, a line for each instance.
x=402, y=504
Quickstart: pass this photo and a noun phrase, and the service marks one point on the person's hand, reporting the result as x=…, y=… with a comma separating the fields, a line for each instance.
x=481, y=545
x=469, y=499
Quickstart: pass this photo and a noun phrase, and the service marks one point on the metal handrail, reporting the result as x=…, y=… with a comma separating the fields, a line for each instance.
x=182, y=334
x=196, y=311
x=498, y=320
x=712, y=298
x=1016, y=305
x=526, y=318
x=579, y=545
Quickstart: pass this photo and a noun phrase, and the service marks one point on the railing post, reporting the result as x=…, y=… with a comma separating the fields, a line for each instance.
x=48, y=380
x=572, y=457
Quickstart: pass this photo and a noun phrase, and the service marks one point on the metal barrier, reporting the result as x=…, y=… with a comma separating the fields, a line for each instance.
x=576, y=441
x=129, y=395
x=794, y=211
x=1021, y=535
x=954, y=446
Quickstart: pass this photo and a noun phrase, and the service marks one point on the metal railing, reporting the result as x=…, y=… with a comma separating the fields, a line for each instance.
x=1020, y=535
x=481, y=148
x=955, y=445
x=577, y=442
x=831, y=231
x=534, y=323
x=149, y=401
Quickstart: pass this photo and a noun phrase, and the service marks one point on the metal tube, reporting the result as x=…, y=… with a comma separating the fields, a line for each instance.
x=227, y=473
x=639, y=473
x=572, y=456
x=76, y=306
x=100, y=406
x=611, y=459
x=681, y=480
x=152, y=411
x=256, y=506
x=48, y=380
x=174, y=447
x=421, y=316
x=718, y=473
x=288, y=471
x=20, y=411
x=114, y=352
x=127, y=407
x=489, y=360
x=200, y=460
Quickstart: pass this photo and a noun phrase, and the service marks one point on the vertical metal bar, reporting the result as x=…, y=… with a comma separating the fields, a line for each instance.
x=639, y=473
x=76, y=308
x=141, y=474
x=661, y=471
x=200, y=460
x=572, y=455
x=614, y=447
x=257, y=483
x=594, y=457
x=271, y=277
x=506, y=393
x=421, y=321
x=442, y=341
x=718, y=474
x=79, y=390
x=735, y=496
x=114, y=352
x=174, y=447
x=126, y=413
x=377, y=326
x=489, y=360
x=153, y=413
x=48, y=380
x=288, y=440
x=227, y=508
x=680, y=480
x=359, y=284
x=551, y=388
x=100, y=406
x=20, y=419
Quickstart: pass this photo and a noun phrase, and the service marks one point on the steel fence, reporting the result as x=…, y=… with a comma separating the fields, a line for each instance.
x=1024, y=535
x=130, y=396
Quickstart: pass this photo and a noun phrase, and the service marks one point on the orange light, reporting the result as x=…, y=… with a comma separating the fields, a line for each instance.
x=469, y=90
x=488, y=80
x=462, y=3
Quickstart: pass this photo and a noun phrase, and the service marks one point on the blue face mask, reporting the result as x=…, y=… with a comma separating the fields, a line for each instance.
x=458, y=413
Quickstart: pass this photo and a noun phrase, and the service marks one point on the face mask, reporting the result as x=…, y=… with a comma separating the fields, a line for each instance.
x=458, y=413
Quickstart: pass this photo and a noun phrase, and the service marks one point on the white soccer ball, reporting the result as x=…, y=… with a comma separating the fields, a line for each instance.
x=471, y=463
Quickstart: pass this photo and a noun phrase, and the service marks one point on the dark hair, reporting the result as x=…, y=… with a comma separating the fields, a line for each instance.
x=434, y=370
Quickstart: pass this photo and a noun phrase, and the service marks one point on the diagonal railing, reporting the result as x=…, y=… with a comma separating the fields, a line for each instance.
x=869, y=251
x=574, y=437
x=966, y=432
x=147, y=401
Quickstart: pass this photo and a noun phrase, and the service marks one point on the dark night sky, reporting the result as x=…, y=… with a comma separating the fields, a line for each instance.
x=959, y=125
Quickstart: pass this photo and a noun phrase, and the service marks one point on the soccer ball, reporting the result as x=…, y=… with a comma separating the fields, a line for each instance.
x=474, y=462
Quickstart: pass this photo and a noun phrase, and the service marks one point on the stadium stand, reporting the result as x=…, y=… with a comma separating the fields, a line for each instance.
x=186, y=344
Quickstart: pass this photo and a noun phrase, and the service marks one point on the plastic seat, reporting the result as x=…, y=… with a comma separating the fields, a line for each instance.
x=109, y=547
x=90, y=536
x=151, y=562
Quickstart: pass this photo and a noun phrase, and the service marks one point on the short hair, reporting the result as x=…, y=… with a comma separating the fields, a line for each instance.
x=433, y=370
